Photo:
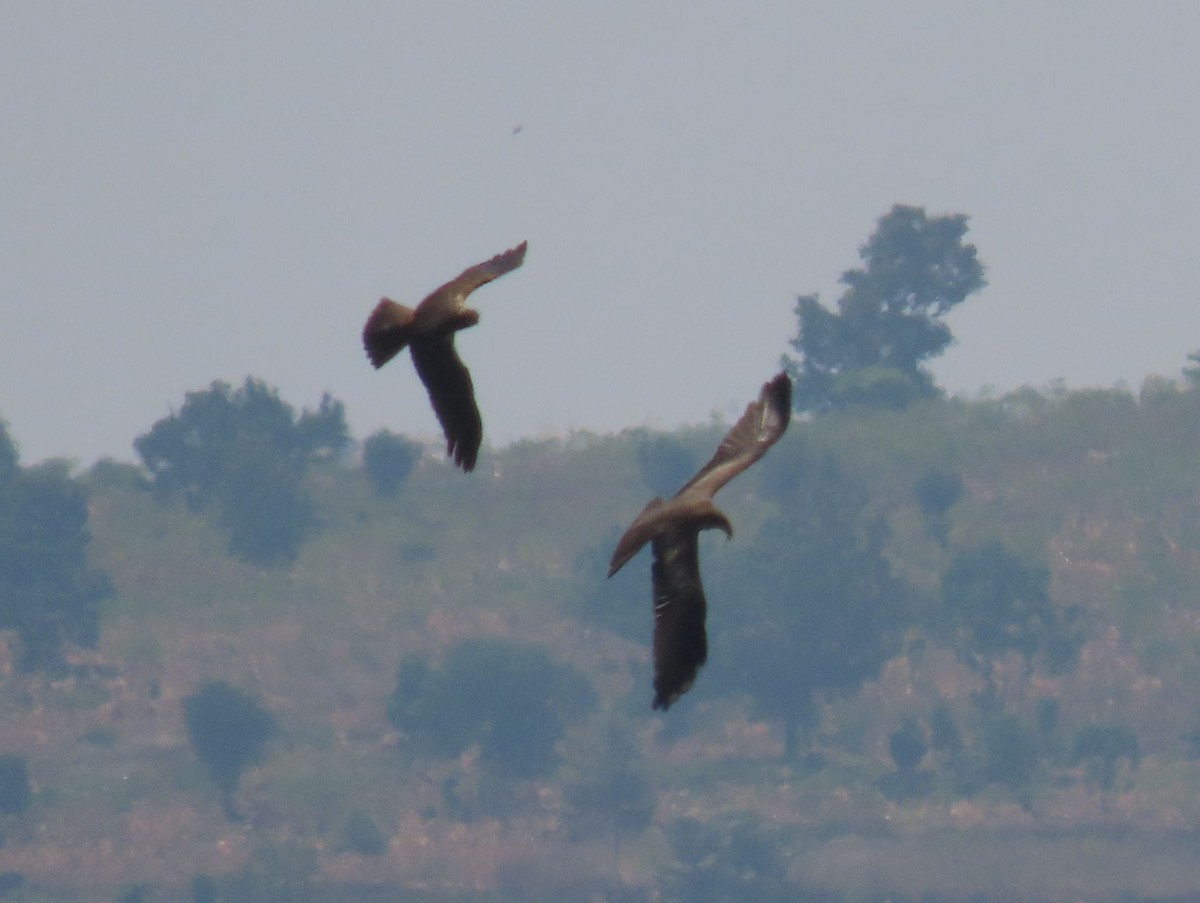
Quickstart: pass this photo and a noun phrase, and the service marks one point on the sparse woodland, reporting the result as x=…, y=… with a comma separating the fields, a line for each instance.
x=955, y=653
x=462, y=707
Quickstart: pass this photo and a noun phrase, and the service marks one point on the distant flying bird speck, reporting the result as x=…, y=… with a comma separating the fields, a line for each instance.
x=672, y=528
x=429, y=331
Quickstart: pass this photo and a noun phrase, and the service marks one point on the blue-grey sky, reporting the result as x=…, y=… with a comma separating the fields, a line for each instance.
x=203, y=191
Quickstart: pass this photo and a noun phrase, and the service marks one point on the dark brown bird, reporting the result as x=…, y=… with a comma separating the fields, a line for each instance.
x=429, y=331
x=672, y=528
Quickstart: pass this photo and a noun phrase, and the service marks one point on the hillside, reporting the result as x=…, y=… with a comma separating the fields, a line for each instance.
x=1096, y=493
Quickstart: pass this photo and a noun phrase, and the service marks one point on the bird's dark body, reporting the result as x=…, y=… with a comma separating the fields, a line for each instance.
x=428, y=331
x=672, y=528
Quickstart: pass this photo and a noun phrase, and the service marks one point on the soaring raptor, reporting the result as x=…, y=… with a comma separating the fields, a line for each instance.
x=429, y=331
x=672, y=528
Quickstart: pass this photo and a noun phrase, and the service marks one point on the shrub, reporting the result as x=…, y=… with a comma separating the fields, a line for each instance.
x=229, y=733
x=14, y=784
x=388, y=459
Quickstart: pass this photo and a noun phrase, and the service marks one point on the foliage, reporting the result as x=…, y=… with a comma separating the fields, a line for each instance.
x=945, y=736
x=621, y=603
x=508, y=697
x=15, y=792
x=388, y=459
x=1192, y=374
x=997, y=603
x=735, y=860
x=1047, y=714
x=266, y=513
x=276, y=874
x=907, y=745
x=361, y=835
x=228, y=732
x=204, y=889
x=48, y=594
x=665, y=463
x=612, y=792
x=246, y=452
x=8, y=456
x=1102, y=746
x=1097, y=490
x=1010, y=754
x=11, y=882
x=813, y=608
x=889, y=319
x=937, y=491
x=108, y=473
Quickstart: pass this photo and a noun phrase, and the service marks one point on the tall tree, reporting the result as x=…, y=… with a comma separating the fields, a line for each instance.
x=388, y=459
x=937, y=491
x=1102, y=746
x=996, y=603
x=731, y=857
x=907, y=746
x=872, y=350
x=508, y=697
x=229, y=732
x=1191, y=375
x=246, y=452
x=665, y=463
x=48, y=593
x=15, y=792
x=611, y=789
x=1010, y=755
x=814, y=605
x=8, y=455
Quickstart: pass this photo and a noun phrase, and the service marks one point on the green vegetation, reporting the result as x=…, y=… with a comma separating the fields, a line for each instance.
x=507, y=699
x=48, y=594
x=665, y=463
x=955, y=640
x=388, y=459
x=1102, y=746
x=245, y=452
x=818, y=609
x=972, y=613
x=442, y=683
x=14, y=784
x=229, y=732
x=888, y=322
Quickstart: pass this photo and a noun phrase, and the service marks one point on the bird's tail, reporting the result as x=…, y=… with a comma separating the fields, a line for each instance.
x=387, y=331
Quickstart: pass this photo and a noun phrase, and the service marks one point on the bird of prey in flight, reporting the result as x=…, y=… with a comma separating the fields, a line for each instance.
x=429, y=331
x=672, y=528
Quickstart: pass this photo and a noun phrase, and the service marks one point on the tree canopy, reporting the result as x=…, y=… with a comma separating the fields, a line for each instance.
x=889, y=320
x=48, y=593
x=246, y=451
x=814, y=608
x=229, y=732
x=997, y=603
x=15, y=791
x=509, y=697
x=665, y=463
x=1102, y=746
x=388, y=459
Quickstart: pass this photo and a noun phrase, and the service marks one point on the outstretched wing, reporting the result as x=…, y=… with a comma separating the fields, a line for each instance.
x=680, y=642
x=483, y=273
x=758, y=429
x=453, y=396
x=638, y=534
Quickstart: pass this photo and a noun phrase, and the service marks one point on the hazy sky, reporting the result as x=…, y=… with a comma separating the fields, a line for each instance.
x=202, y=191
